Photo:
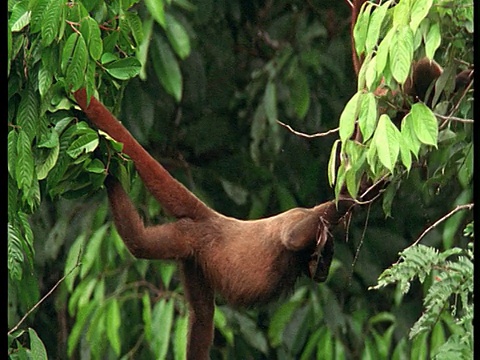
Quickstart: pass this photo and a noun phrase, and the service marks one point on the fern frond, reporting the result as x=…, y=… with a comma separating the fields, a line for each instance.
x=415, y=261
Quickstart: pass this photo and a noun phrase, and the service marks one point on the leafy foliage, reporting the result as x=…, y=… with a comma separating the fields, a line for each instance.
x=450, y=291
x=390, y=37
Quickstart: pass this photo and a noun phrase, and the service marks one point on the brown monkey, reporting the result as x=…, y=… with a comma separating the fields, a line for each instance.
x=247, y=262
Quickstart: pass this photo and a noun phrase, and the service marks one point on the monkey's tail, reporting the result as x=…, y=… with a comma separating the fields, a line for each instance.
x=174, y=197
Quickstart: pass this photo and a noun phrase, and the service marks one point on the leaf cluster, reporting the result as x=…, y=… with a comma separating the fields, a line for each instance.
x=450, y=289
x=383, y=131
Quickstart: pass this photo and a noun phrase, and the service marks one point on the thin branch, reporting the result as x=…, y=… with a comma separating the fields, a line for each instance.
x=452, y=118
x=457, y=105
x=360, y=244
x=44, y=297
x=308, y=135
x=442, y=219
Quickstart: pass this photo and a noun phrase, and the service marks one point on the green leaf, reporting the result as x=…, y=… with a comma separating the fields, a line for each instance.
x=74, y=61
x=162, y=319
x=28, y=113
x=113, y=325
x=37, y=349
x=360, y=29
x=156, y=9
x=401, y=53
x=433, y=39
x=91, y=31
x=299, y=93
x=24, y=168
x=124, y=69
x=401, y=14
x=425, y=124
x=135, y=25
x=372, y=80
x=147, y=316
x=349, y=116
x=332, y=163
x=420, y=9
x=405, y=153
x=270, y=100
x=20, y=16
x=409, y=136
x=73, y=258
x=85, y=143
x=178, y=36
x=82, y=317
x=51, y=21
x=180, y=338
x=166, y=67
x=12, y=152
x=374, y=26
x=92, y=250
x=45, y=80
x=15, y=256
x=166, y=273
x=43, y=168
x=367, y=118
x=383, y=50
x=279, y=321
x=386, y=142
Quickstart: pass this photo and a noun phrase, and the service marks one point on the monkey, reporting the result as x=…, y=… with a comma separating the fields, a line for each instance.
x=248, y=262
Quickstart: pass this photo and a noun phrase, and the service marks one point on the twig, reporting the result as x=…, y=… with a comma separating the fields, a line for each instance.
x=457, y=105
x=44, y=297
x=308, y=135
x=360, y=244
x=453, y=118
x=442, y=219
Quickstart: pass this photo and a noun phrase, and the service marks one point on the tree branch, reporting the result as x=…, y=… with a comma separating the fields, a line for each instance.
x=308, y=135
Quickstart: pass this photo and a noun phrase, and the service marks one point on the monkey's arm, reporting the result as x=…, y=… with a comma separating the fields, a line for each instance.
x=175, y=198
x=155, y=242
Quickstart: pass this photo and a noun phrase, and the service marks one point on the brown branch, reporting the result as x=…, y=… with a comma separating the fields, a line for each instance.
x=439, y=221
x=452, y=118
x=44, y=297
x=309, y=136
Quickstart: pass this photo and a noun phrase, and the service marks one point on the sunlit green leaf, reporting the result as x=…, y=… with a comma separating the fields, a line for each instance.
x=156, y=9
x=433, y=39
x=349, y=116
x=162, y=320
x=401, y=53
x=420, y=9
x=367, y=118
x=425, y=124
x=113, y=325
x=387, y=142
x=375, y=25
x=180, y=338
x=360, y=29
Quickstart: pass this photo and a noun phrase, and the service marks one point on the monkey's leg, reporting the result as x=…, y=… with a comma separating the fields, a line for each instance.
x=200, y=296
x=154, y=242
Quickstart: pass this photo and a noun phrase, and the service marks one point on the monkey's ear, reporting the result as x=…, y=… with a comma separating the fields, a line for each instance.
x=301, y=232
